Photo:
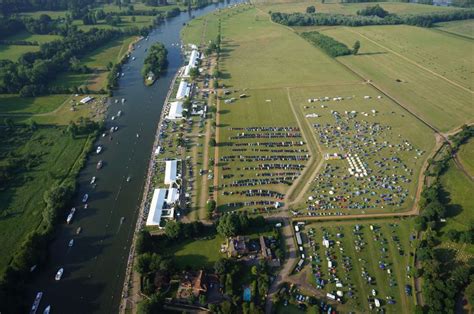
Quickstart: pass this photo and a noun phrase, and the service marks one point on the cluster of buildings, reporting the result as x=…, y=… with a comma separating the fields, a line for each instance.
x=245, y=248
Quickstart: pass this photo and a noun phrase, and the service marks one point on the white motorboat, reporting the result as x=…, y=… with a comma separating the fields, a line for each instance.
x=59, y=274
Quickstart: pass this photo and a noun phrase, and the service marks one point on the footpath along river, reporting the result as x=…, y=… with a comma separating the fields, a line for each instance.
x=94, y=267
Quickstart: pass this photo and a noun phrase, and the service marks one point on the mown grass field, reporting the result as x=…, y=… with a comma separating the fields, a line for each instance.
x=396, y=257
x=346, y=8
x=111, y=52
x=140, y=21
x=466, y=155
x=425, y=79
x=54, y=153
x=463, y=28
x=13, y=104
x=203, y=28
x=198, y=254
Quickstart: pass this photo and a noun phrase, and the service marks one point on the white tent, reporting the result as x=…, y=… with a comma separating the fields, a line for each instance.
x=156, y=207
x=183, y=90
x=193, y=58
x=176, y=111
x=170, y=171
x=172, y=195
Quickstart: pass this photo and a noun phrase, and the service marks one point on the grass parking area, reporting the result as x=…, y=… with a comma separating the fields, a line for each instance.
x=416, y=67
x=361, y=261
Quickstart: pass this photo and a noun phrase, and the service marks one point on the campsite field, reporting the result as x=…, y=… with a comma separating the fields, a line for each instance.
x=463, y=28
x=417, y=78
x=384, y=254
x=390, y=151
x=51, y=153
x=466, y=155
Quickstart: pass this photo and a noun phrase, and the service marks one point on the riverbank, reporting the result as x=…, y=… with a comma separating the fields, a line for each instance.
x=142, y=215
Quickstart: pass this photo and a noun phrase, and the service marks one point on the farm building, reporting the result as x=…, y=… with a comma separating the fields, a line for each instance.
x=183, y=90
x=171, y=171
x=176, y=111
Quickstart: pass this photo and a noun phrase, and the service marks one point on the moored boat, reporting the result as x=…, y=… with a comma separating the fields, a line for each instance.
x=47, y=310
x=85, y=198
x=59, y=274
x=99, y=149
x=71, y=215
x=99, y=164
x=93, y=180
x=36, y=302
x=71, y=243
x=78, y=230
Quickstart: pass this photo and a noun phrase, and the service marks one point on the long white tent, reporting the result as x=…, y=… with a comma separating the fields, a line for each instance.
x=176, y=111
x=171, y=171
x=183, y=90
x=156, y=207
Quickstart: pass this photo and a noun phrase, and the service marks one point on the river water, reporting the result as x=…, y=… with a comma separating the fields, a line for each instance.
x=94, y=267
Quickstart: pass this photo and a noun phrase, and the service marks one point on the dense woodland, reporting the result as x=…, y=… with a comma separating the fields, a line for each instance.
x=328, y=19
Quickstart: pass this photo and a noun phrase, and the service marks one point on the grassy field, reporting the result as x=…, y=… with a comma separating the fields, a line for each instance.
x=424, y=79
x=13, y=52
x=13, y=104
x=354, y=252
x=40, y=39
x=346, y=8
x=198, y=254
x=111, y=52
x=140, y=21
x=203, y=28
x=54, y=153
x=466, y=155
x=463, y=28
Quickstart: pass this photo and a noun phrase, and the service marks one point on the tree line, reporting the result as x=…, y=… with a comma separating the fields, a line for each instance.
x=328, y=44
x=156, y=60
x=328, y=19
x=443, y=277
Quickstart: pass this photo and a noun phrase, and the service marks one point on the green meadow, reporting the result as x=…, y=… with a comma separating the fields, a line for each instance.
x=466, y=155
x=463, y=28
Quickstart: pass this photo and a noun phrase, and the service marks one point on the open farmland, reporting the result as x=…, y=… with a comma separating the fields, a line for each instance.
x=463, y=28
x=419, y=81
x=13, y=52
x=347, y=8
x=362, y=261
x=354, y=123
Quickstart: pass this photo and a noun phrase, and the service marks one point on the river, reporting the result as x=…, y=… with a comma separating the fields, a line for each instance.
x=94, y=267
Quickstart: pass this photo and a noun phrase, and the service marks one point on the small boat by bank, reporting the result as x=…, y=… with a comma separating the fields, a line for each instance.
x=71, y=215
x=99, y=164
x=93, y=180
x=59, y=274
x=123, y=100
x=36, y=303
x=78, y=230
x=129, y=178
x=47, y=310
x=119, y=113
x=71, y=243
x=85, y=198
x=98, y=150
x=122, y=220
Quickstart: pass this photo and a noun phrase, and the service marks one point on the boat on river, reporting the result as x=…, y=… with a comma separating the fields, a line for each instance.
x=98, y=150
x=85, y=198
x=93, y=180
x=59, y=274
x=47, y=310
x=71, y=243
x=36, y=303
x=99, y=164
x=78, y=230
x=71, y=215
x=119, y=113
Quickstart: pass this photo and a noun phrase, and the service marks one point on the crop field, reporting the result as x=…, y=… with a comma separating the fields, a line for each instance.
x=463, y=28
x=420, y=81
x=51, y=155
x=13, y=52
x=466, y=155
x=346, y=8
x=371, y=133
x=361, y=261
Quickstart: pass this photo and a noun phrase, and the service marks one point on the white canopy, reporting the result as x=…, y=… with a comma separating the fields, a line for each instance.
x=156, y=207
x=183, y=90
x=170, y=171
x=176, y=110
